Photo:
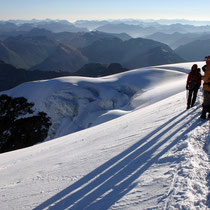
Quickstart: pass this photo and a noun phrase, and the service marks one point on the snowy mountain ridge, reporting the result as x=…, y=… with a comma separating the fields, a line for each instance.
x=153, y=156
x=76, y=103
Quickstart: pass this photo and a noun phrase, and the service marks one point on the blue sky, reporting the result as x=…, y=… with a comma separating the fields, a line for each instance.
x=105, y=9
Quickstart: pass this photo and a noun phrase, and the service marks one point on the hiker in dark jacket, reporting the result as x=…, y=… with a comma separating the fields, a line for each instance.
x=193, y=84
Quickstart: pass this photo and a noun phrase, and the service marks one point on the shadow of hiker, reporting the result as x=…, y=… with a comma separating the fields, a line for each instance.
x=115, y=177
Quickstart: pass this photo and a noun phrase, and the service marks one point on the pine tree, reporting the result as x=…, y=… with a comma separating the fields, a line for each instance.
x=16, y=130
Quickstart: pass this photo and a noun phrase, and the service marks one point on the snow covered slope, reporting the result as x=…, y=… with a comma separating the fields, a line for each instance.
x=152, y=157
x=76, y=103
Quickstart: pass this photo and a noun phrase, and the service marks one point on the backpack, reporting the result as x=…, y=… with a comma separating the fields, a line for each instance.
x=192, y=82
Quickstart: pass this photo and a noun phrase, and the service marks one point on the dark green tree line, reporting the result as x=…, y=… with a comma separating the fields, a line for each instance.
x=18, y=128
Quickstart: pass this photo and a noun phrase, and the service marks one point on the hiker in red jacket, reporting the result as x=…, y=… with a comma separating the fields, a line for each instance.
x=193, y=84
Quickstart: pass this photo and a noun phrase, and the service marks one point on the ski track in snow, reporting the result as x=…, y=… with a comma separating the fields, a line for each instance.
x=155, y=157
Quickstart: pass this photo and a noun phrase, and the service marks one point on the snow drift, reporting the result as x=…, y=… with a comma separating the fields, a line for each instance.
x=76, y=103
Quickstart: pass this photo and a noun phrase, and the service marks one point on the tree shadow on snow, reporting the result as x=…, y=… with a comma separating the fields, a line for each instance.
x=108, y=183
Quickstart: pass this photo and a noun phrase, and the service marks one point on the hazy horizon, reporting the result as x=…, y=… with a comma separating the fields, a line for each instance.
x=108, y=19
x=104, y=10
x=125, y=20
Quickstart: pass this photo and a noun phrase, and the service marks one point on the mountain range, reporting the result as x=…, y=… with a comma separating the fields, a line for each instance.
x=41, y=44
x=131, y=53
x=52, y=25
x=93, y=24
x=66, y=51
x=194, y=51
x=144, y=30
x=177, y=39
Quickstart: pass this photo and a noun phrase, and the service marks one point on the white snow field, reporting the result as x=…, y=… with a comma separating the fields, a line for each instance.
x=120, y=142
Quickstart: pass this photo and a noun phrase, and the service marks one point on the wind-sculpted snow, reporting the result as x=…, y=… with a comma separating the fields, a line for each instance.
x=76, y=103
x=152, y=157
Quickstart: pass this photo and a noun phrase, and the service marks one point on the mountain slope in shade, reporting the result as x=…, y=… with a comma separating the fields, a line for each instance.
x=177, y=39
x=152, y=157
x=31, y=50
x=43, y=52
x=63, y=58
x=8, y=55
x=83, y=39
x=133, y=53
x=11, y=76
x=194, y=51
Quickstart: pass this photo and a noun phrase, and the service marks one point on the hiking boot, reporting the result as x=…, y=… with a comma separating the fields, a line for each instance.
x=203, y=114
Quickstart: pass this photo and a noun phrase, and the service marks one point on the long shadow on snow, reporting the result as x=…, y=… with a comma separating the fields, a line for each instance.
x=116, y=177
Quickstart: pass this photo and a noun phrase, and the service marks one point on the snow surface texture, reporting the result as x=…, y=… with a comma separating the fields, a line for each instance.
x=76, y=103
x=152, y=157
